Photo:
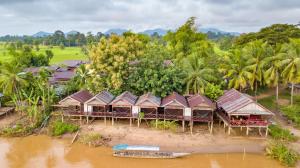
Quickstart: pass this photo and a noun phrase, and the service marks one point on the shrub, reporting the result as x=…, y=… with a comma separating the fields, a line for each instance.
x=17, y=130
x=59, y=128
x=278, y=133
x=292, y=113
x=280, y=152
x=167, y=125
x=91, y=139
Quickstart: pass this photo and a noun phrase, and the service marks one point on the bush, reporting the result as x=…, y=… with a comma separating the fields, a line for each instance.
x=17, y=130
x=167, y=125
x=60, y=128
x=280, y=152
x=91, y=139
x=292, y=113
x=278, y=133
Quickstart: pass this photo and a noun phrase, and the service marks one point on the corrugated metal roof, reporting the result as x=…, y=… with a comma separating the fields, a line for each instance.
x=105, y=96
x=150, y=97
x=232, y=101
x=198, y=99
x=174, y=97
x=127, y=97
x=66, y=75
x=72, y=63
x=82, y=96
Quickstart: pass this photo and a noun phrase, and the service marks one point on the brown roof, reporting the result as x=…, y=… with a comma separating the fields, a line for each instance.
x=65, y=75
x=174, y=97
x=127, y=97
x=82, y=96
x=149, y=97
x=232, y=101
x=198, y=99
x=72, y=63
x=105, y=96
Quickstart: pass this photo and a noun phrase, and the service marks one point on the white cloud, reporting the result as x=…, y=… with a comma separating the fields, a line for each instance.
x=30, y=16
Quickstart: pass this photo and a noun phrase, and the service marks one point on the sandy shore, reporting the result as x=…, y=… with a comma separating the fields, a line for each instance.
x=200, y=142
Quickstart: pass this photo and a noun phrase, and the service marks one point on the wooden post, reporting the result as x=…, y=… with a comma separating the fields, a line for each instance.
x=267, y=130
x=112, y=115
x=156, y=123
x=130, y=121
x=191, y=126
x=229, y=129
x=138, y=122
x=183, y=124
x=247, y=131
x=62, y=117
x=105, y=119
x=87, y=119
x=164, y=118
x=211, y=127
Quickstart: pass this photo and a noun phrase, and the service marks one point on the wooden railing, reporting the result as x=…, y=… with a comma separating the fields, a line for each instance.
x=244, y=122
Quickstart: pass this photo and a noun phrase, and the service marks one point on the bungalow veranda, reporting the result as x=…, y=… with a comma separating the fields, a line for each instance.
x=236, y=109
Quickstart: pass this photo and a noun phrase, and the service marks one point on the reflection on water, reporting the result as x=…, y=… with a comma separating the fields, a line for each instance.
x=42, y=151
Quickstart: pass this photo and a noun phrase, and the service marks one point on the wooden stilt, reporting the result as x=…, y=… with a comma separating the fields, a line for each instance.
x=62, y=117
x=112, y=120
x=87, y=119
x=139, y=120
x=224, y=125
x=191, y=126
x=259, y=131
x=105, y=120
x=164, y=123
x=247, y=131
x=220, y=122
x=156, y=123
x=267, y=131
x=183, y=125
x=211, y=127
x=229, y=129
x=130, y=121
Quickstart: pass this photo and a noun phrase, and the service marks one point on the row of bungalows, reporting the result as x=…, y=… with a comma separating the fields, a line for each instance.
x=192, y=108
x=236, y=109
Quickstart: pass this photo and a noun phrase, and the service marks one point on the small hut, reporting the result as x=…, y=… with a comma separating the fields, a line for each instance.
x=73, y=105
x=175, y=106
x=201, y=110
x=98, y=106
x=236, y=109
x=122, y=106
x=148, y=104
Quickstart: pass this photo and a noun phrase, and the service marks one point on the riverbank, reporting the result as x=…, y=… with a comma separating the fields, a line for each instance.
x=201, y=141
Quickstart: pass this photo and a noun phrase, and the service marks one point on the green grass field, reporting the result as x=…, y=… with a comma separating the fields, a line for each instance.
x=68, y=53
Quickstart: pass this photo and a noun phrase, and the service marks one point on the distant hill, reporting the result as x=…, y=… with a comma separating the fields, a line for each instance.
x=73, y=32
x=214, y=30
x=117, y=31
x=160, y=31
x=41, y=34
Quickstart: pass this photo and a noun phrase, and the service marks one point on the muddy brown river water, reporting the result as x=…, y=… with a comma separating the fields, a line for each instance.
x=42, y=151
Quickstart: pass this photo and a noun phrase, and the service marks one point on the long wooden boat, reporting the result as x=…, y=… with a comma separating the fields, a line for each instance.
x=149, y=154
x=139, y=151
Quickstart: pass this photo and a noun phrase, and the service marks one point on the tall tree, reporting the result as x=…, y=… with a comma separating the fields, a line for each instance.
x=291, y=71
x=274, y=68
x=235, y=70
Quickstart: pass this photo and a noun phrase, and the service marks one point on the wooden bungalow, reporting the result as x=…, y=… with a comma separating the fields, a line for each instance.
x=98, y=106
x=201, y=110
x=175, y=106
x=148, y=104
x=236, y=109
x=122, y=106
x=73, y=105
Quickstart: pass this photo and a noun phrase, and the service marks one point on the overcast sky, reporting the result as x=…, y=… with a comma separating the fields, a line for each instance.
x=30, y=16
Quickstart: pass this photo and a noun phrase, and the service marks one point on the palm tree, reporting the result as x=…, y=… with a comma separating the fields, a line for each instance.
x=256, y=52
x=11, y=78
x=198, y=75
x=291, y=71
x=274, y=68
x=236, y=70
x=82, y=75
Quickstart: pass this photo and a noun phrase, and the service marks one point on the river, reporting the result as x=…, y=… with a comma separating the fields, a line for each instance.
x=42, y=151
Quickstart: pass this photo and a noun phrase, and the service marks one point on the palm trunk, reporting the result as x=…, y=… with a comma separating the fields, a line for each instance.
x=292, y=93
x=255, y=92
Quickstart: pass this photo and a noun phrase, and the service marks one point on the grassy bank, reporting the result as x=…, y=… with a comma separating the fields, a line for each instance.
x=68, y=53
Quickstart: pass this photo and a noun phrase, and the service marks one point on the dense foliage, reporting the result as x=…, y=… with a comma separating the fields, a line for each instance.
x=281, y=152
x=278, y=133
x=59, y=128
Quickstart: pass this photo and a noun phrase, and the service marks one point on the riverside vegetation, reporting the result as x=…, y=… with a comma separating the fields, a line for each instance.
x=185, y=61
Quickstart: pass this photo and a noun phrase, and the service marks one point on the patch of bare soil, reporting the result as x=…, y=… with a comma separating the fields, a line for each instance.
x=283, y=102
x=8, y=119
x=201, y=141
